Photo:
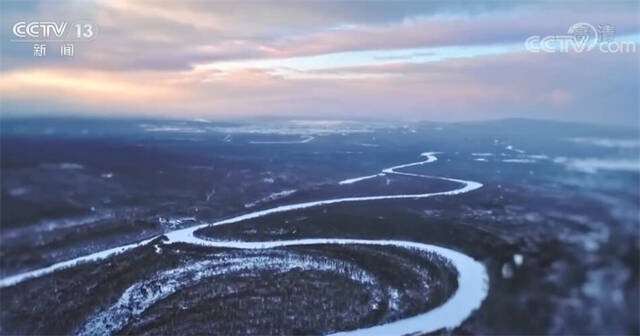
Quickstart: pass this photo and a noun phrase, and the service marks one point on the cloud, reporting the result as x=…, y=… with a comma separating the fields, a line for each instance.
x=168, y=36
x=164, y=58
x=517, y=84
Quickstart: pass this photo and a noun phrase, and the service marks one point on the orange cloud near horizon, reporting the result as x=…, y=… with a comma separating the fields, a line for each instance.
x=86, y=87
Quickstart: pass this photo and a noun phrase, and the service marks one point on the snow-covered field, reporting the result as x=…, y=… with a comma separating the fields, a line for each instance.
x=472, y=275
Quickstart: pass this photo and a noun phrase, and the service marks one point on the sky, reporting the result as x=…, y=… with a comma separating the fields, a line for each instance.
x=382, y=60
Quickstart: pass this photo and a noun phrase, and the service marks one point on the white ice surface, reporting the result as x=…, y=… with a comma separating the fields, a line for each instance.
x=519, y=161
x=303, y=140
x=358, y=179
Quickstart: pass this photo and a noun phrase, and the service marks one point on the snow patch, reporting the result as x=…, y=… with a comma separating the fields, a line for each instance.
x=272, y=197
x=594, y=165
x=608, y=142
